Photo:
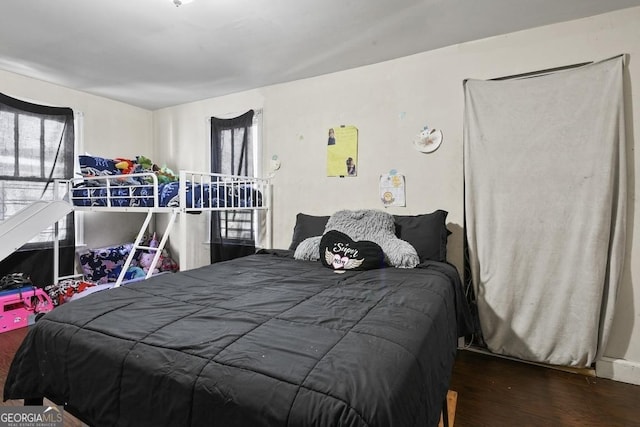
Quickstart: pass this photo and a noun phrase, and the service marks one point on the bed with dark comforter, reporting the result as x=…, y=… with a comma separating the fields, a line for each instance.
x=264, y=340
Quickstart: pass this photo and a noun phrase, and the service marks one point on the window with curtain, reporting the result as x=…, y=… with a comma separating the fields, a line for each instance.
x=233, y=147
x=36, y=147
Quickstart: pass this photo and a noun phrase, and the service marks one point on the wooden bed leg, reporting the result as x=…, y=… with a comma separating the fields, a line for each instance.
x=445, y=413
x=34, y=401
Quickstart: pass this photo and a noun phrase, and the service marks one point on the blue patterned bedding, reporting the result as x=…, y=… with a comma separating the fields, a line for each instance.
x=142, y=195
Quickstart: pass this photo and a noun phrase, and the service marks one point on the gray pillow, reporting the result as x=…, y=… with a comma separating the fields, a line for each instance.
x=309, y=249
x=373, y=225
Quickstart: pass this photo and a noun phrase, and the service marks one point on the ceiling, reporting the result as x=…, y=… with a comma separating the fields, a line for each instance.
x=152, y=54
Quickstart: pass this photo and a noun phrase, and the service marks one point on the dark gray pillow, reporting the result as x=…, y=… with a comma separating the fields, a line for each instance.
x=307, y=226
x=427, y=233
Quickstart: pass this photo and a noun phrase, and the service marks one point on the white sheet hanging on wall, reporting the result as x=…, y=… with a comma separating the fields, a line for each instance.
x=545, y=200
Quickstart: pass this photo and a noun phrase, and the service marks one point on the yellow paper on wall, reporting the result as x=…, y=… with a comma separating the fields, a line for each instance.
x=342, y=151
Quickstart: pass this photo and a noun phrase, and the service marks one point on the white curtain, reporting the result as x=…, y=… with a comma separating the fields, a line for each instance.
x=545, y=201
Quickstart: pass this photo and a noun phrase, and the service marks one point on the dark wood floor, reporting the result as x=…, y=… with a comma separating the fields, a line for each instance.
x=495, y=392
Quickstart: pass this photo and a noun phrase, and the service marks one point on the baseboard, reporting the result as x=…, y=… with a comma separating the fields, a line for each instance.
x=618, y=370
x=589, y=372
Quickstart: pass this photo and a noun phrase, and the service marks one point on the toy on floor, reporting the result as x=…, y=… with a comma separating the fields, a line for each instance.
x=20, y=307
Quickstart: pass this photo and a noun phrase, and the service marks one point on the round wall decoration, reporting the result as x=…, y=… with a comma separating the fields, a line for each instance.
x=428, y=140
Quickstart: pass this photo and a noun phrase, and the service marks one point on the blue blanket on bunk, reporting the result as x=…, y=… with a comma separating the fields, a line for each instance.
x=198, y=195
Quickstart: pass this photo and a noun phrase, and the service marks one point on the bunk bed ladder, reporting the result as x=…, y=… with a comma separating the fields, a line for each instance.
x=157, y=251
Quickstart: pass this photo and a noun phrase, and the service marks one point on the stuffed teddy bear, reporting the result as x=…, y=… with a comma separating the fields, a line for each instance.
x=367, y=224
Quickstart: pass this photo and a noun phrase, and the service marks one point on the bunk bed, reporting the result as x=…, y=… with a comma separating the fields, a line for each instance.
x=269, y=339
x=144, y=192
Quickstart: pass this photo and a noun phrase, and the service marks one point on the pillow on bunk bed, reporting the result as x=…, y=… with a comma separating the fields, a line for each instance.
x=95, y=166
x=372, y=225
x=427, y=233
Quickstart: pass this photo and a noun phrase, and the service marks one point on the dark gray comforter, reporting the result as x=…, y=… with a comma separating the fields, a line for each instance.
x=264, y=340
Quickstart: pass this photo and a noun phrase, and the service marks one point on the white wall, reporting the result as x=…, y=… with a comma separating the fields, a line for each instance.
x=110, y=129
x=390, y=103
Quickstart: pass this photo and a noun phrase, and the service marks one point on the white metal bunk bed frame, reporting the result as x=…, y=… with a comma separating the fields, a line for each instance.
x=201, y=180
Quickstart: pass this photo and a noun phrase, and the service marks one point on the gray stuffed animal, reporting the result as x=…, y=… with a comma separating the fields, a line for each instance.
x=373, y=225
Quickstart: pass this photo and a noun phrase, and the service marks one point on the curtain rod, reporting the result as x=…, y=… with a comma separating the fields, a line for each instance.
x=545, y=71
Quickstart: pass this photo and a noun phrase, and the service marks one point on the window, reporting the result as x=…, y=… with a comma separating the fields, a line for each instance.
x=234, y=147
x=36, y=147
